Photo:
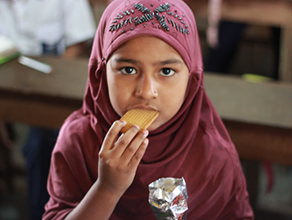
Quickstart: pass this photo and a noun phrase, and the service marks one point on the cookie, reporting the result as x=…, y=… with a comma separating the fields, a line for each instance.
x=141, y=117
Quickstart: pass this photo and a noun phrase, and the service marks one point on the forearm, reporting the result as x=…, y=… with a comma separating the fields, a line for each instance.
x=119, y=158
x=97, y=204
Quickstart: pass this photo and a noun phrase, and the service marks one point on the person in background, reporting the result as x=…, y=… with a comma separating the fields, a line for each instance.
x=146, y=55
x=224, y=37
x=45, y=27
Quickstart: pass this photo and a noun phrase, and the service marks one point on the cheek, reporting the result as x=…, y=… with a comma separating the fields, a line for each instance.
x=113, y=89
x=172, y=100
x=118, y=95
x=178, y=91
x=116, y=100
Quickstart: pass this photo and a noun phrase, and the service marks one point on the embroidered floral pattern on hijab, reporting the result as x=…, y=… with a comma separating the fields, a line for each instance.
x=166, y=20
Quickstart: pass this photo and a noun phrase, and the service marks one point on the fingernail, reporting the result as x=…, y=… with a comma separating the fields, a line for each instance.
x=136, y=126
x=146, y=141
x=145, y=133
x=123, y=122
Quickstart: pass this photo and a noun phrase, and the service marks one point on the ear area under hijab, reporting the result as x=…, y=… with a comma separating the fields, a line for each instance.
x=96, y=71
x=100, y=68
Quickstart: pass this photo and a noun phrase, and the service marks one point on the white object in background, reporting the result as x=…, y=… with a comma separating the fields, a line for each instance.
x=42, y=67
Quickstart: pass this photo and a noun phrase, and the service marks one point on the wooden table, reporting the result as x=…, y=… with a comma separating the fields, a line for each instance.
x=32, y=97
x=258, y=116
x=259, y=12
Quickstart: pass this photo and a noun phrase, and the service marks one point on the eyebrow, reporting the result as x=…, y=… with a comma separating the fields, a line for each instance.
x=125, y=60
x=164, y=62
x=171, y=61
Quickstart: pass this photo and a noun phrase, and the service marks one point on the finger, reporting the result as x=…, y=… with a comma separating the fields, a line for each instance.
x=136, y=159
x=123, y=142
x=132, y=148
x=112, y=135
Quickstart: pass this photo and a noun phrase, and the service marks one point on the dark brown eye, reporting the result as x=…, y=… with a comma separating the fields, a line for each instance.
x=167, y=72
x=128, y=70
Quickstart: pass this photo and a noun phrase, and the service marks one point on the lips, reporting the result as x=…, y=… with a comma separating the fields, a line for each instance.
x=148, y=107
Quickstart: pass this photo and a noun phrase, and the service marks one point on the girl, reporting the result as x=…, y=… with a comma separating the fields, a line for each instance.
x=146, y=54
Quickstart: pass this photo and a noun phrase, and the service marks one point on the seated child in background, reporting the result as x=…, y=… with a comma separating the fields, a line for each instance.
x=146, y=54
x=45, y=28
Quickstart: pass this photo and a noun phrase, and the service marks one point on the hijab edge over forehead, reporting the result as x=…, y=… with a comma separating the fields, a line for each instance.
x=179, y=14
x=146, y=32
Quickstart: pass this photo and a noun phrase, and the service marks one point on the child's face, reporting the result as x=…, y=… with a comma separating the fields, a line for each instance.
x=146, y=72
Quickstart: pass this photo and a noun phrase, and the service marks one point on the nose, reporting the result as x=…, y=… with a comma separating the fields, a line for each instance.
x=146, y=87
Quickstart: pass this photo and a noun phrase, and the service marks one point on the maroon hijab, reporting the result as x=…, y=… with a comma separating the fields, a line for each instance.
x=194, y=144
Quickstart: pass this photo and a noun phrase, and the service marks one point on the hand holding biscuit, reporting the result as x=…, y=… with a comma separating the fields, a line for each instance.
x=120, y=156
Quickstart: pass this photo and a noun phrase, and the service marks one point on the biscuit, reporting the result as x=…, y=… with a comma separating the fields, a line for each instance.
x=141, y=117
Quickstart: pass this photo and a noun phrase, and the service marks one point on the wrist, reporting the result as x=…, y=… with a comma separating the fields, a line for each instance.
x=107, y=192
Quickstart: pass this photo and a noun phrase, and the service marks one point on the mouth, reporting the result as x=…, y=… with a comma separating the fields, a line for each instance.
x=147, y=107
